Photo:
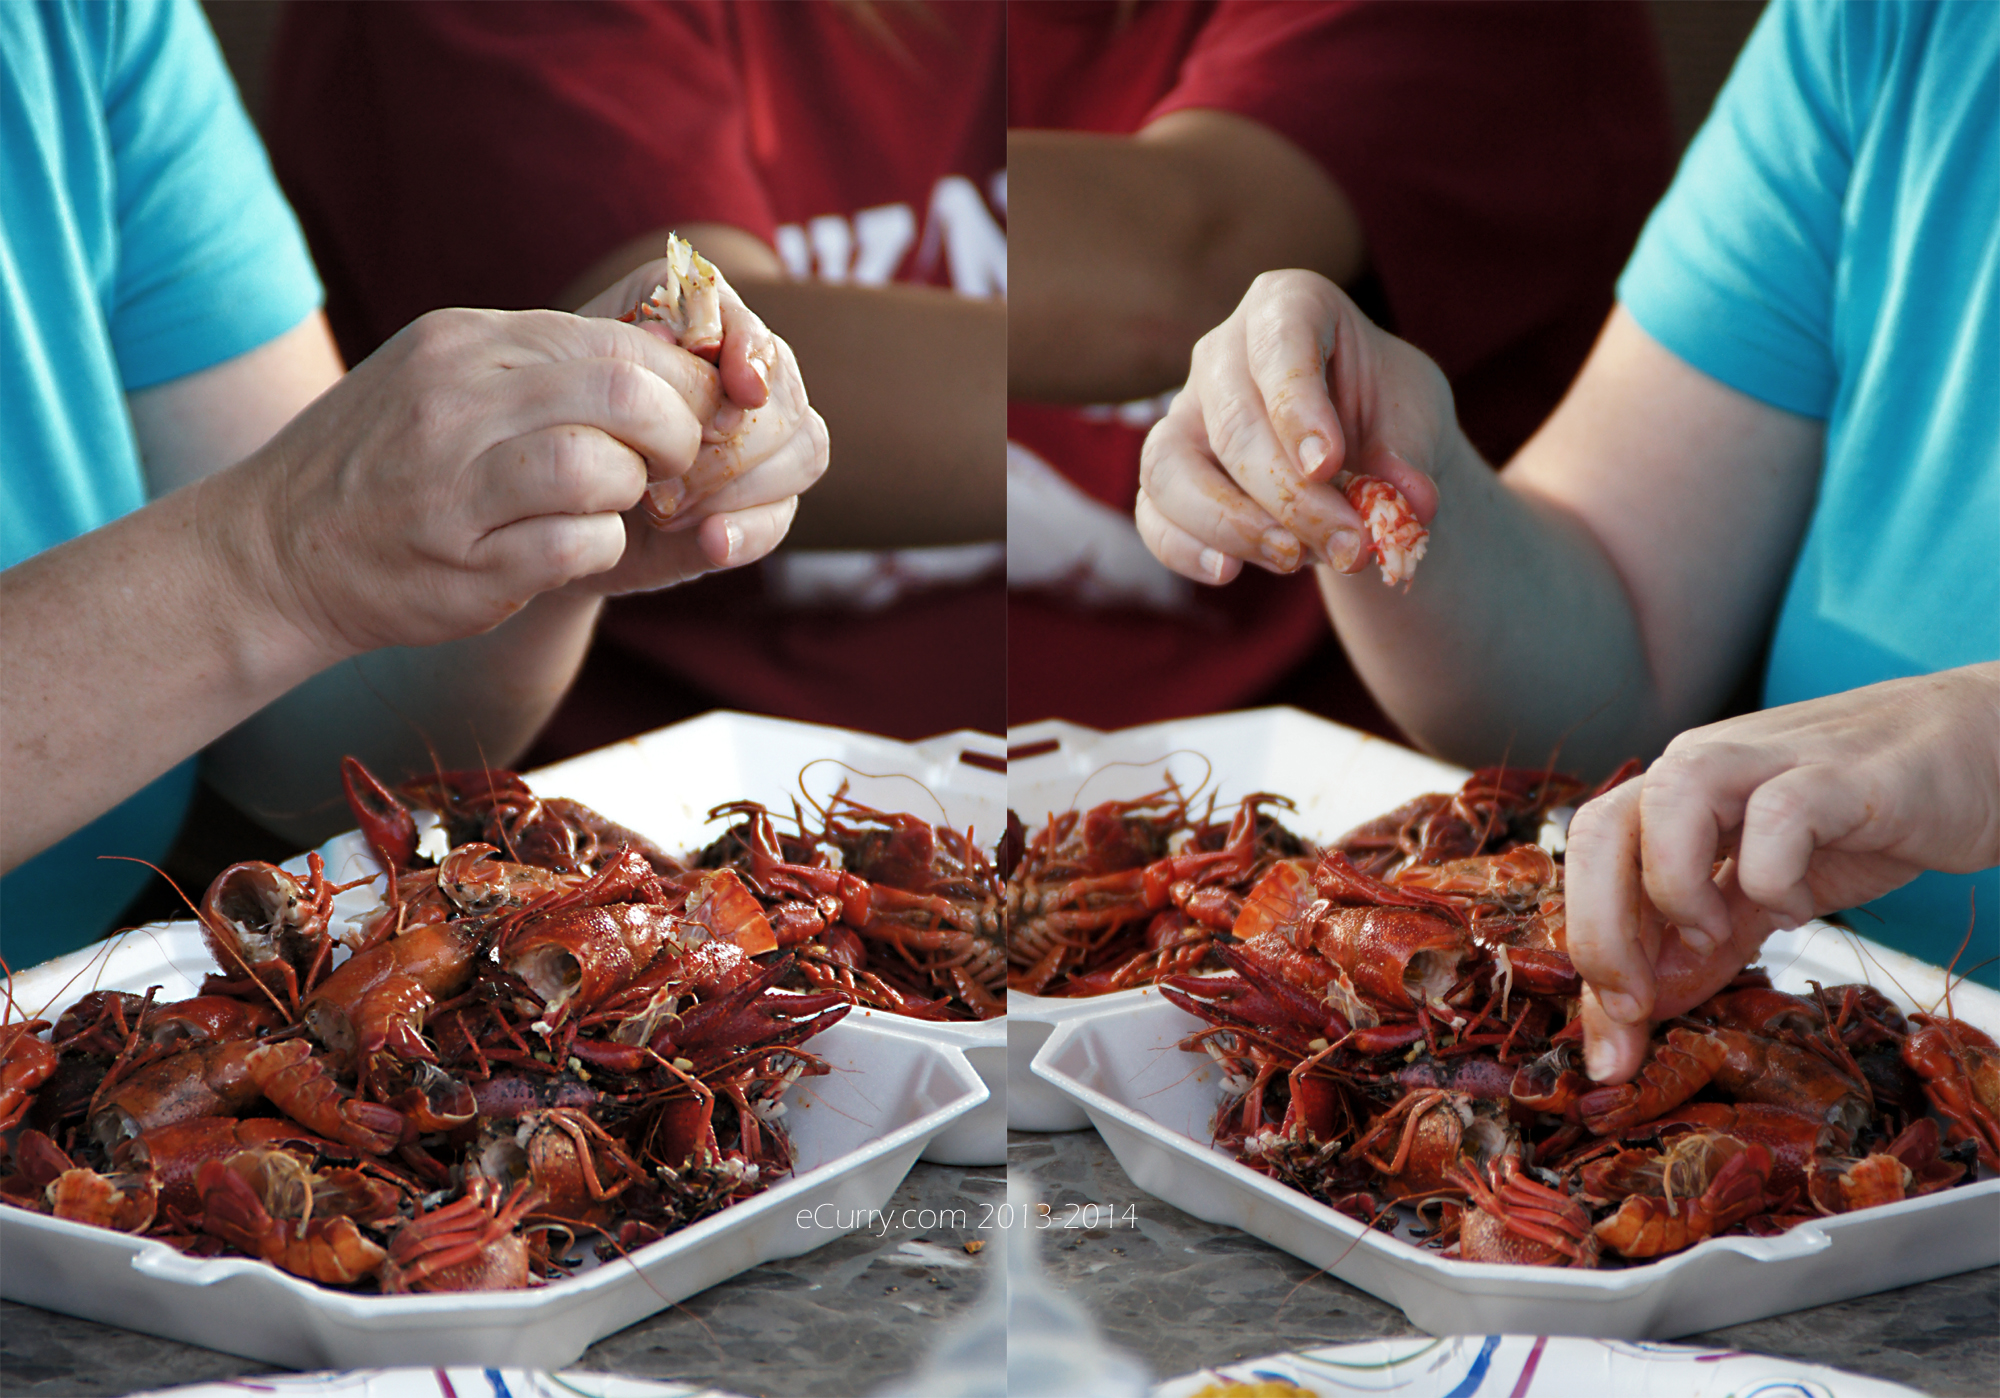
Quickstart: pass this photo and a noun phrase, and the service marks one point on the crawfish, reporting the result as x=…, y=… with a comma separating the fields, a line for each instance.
x=268, y=928
x=1960, y=1068
x=272, y=1204
x=1708, y=1182
x=26, y=1062
x=1516, y=1218
x=299, y=1085
x=467, y=1245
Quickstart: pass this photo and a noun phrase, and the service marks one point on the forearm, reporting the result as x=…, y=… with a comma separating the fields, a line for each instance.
x=125, y=651
x=403, y=711
x=1515, y=642
x=1124, y=250
x=912, y=382
x=1612, y=585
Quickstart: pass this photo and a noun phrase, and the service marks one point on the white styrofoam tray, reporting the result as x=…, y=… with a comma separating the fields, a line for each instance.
x=664, y=783
x=1154, y=1104
x=1337, y=777
x=856, y=1131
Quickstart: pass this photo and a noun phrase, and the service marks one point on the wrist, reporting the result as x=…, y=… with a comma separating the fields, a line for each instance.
x=263, y=606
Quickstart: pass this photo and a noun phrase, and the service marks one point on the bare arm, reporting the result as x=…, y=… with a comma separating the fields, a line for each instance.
x=470, y=480
x=1599, y=596
x=912, y=382
x=1123, y=250
x=1611, y=585
x=481, y=697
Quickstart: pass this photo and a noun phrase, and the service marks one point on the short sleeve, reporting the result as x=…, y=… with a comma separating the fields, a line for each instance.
x=1735, y=272
x=211, y=261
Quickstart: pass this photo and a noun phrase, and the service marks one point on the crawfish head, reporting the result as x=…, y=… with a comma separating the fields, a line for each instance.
x=258, y=920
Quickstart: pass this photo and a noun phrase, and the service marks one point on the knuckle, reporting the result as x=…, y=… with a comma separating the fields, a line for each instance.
x=819, y=441
x=627, y=391
x=442, y=332
x=1211, y=345
x=1233, y=430
x=571, y=456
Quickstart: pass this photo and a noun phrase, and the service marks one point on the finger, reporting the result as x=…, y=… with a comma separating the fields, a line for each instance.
x=755, y=437
x=553, y=337
x=1289, y=333
x=1613, y=1050
x=1241, y=440
x=1180, y=550
x=749, y=351
x=794, y=466
x=1607, y=935
x=655, y=560
x=565, y=470
x=744, y=536
x=1785, y=821
x=531, y=556
x=1684, y=978
x=628, y=291
x=618, y=397
x=1181, y=483
x=1415, y=486
x=1691, y=798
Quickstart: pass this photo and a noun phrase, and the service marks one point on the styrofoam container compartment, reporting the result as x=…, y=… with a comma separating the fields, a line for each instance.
x=1153, y=1104
x=1337, y=778
x=856, y=1132
x=664, y=783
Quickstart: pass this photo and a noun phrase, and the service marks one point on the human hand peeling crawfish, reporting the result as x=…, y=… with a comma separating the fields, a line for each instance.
x=1394, y=1021
x=1298, y=438
x=761, y=442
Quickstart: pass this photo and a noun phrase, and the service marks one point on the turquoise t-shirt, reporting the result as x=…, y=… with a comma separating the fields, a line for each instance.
x=144, y=239
x=1831, y=246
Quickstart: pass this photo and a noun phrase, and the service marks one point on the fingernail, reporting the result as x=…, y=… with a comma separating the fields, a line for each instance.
x=763, y=373
x=1696, y=940
x=1213, y=562
x=667, y=496
x=1280, y=549
x=1598, y=1060
x=732, y=541
x=1619, y=1006
x=1312, y=452
x=1342, y=550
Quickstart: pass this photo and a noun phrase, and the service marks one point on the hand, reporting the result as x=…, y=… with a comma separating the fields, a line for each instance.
x=1762, y=822
x=476, y=460
x=762, y=444
x=1296, y=386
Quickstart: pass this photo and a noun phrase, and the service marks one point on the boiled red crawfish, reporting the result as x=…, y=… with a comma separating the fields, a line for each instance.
x=554, y=1030
x=886, y=909
x=1394, y=1025
x=1129, y=891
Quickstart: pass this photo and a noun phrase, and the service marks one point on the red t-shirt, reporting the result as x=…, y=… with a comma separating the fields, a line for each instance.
x=474, y=154
x=1501, y=158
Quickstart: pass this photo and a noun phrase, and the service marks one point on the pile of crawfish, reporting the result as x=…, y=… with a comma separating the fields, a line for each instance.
x=886, y=909
x=1130, y=891
x=550, y=1031
x=1394, y=1020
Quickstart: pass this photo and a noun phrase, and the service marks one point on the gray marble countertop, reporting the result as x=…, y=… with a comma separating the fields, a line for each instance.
x=1180, y=1293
